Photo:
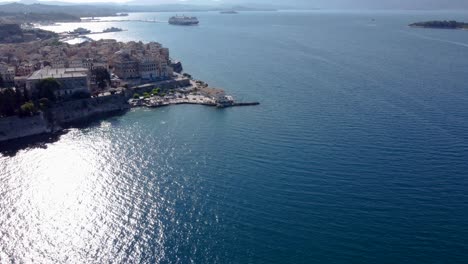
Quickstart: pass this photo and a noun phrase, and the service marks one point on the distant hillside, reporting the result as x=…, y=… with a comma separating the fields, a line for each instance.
x=36, y=17
x=75, y=10
x=188, y=8
x=12, y=33
x=111, y=9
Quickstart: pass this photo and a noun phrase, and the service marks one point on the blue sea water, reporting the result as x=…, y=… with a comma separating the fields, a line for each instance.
x=357, y=154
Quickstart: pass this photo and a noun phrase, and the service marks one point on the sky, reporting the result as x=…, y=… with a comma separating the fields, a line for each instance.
x=357, y=4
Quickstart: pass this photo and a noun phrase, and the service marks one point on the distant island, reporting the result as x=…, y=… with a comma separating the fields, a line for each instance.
x=229, y=12
x=441, y=24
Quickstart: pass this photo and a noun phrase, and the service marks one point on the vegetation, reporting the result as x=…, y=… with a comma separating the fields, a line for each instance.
x=13, y=33
x=102, y=77
x=17, y=102
x=1, y=81
x=8, y=102
x=55, y=42
x=44, y=104
x=80, y=95
x=155, y=91
x=146, y=95
x=46, y=89
x=136, y=96
x=441, y=24
x=28, y=109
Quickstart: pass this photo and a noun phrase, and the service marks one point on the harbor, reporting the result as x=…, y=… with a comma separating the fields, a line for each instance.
x=194, y=95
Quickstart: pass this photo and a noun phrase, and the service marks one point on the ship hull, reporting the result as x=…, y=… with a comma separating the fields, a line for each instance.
x=184, y=23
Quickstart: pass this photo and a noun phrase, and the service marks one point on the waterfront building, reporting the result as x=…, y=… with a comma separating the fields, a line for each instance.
x=58, y=63
x=148, y=68
x=72, y=80
x=7, y=73
x=75, y=63
x=125, y=66
x=20, y=82
x=24, y=69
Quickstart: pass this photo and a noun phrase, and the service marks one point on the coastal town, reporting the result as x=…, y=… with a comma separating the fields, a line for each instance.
x=56, y=84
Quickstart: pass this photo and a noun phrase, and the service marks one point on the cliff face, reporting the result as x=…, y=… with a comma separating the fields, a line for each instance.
x=68, y=113
x=61, y=115
x=15, y=127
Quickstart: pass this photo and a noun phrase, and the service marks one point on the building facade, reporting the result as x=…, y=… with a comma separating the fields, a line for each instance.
x=72, y=80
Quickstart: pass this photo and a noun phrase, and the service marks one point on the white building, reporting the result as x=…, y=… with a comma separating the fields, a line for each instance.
x=72, y=80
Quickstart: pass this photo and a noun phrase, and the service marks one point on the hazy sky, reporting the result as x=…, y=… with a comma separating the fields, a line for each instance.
x=394, y=4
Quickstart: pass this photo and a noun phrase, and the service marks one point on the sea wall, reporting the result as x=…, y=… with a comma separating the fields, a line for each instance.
x=68, y=113
x=74, y=112
x=15, y=127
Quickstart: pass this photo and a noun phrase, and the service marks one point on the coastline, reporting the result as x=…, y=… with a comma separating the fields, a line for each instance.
x=79, y=113
x=128, y=84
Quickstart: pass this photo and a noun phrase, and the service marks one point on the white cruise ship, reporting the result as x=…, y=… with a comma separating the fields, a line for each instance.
x=183, y=20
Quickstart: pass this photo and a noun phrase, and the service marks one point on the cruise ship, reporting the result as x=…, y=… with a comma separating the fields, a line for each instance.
x=183, y=20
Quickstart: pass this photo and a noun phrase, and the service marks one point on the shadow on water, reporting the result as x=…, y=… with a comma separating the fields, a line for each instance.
x=95, y=120
x=12, y=147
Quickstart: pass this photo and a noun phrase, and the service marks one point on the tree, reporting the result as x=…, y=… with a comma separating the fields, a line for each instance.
x=1, y=81
x=155, y=91
x=28, y=109
x=8, y=102
x=136, y=96
x=46, y=88
x=80, y=95
x=146, y=95
x=101, y=76
x=44, y=104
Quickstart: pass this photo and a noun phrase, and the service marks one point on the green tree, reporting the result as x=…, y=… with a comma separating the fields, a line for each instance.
x=102, y=77
x=8, y=102
x=155, y=91
x=44, y=104
x=80, y=95
x=146, y=95
x=28, y=109
x=46, y=88
x=136, y=96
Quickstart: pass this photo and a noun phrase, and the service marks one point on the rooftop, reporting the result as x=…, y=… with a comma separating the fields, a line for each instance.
x=58, y=73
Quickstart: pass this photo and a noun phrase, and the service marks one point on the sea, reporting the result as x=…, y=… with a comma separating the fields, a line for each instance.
x=358, y=152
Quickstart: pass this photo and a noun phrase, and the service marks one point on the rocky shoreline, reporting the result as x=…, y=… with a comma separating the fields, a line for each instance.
x=78, y=112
